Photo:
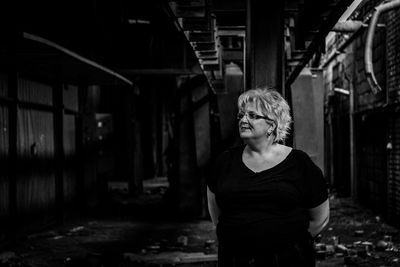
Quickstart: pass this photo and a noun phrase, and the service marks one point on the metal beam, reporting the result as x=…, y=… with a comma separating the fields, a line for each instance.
x=130, y=72
x=264, y=45
x=59, y=155
x=72, y=54
x=327, y=25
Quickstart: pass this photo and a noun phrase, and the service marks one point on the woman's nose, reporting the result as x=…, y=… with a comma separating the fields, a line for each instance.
x=245, y=118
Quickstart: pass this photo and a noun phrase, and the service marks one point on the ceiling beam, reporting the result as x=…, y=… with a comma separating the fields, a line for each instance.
x=319, y=38
x=162, y=71
x=76, y=56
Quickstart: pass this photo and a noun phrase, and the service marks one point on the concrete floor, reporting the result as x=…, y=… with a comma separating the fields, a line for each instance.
x=120, y=243
x=160, y=240
x=125, y=231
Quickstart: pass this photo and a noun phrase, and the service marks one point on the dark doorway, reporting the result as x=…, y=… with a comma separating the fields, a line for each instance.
x=372, y=162
x=340, y=146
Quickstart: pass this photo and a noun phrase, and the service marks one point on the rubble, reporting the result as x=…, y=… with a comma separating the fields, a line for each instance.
x=210, y=245
x=182, y=240
x=47, y=234
x=11, y=259
x=358, y=232
x=357, y=238
x=353, y=237
x=76, y=229
x=170, y=258
x=6, y=256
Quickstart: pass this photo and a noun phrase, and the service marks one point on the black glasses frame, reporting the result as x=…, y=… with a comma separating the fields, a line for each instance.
x=252, y=116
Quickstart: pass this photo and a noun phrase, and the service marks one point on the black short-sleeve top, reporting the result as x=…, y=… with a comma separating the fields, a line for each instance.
x=271, y=205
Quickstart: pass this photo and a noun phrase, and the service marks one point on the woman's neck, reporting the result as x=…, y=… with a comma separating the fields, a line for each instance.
x=260, y=146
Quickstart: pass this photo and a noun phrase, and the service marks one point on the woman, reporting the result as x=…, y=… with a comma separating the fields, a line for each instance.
x=267, y=200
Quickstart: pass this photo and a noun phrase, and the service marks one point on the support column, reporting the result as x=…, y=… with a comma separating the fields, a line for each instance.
x=353, y=158
x=264, y=49
x=58, y=122
x=189, y=181
x=135, y=182
x=80, y=168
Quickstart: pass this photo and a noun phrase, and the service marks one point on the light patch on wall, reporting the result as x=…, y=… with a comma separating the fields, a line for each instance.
x=138, y=21
x=341, y=91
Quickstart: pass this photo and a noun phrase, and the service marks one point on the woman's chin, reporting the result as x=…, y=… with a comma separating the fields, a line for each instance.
x=245, y=135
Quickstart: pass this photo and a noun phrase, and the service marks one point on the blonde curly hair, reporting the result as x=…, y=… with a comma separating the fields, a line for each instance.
x=272, y=105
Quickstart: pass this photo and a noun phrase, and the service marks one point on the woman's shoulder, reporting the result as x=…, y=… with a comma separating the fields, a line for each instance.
x=300, y=153
x=228, y=154
x=304, y=159
x=296, y=155
x=282, y=149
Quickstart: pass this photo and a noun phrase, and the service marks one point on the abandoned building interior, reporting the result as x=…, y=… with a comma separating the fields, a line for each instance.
x=110, y=102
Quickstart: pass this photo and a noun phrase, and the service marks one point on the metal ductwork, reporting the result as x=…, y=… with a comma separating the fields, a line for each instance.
x=369, y=70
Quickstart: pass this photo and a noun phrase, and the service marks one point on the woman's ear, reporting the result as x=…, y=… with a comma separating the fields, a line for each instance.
x=272, y=129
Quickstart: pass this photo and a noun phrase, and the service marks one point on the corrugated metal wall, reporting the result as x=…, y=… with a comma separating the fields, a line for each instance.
x=69, y=170
x=70, y=98
x=3, y=161
x=33, y=196
x=34, y=92
x=35, y=150
x=4, y=129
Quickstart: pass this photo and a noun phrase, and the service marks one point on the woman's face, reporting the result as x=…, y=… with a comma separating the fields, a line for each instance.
x=252, y=123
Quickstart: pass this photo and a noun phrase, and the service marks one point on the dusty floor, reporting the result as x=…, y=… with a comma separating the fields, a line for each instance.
x=354, y=237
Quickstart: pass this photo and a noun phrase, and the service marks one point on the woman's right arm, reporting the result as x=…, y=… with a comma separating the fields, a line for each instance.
x=212, y=206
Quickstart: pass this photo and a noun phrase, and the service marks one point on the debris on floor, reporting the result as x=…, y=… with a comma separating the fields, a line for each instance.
x=354, y=236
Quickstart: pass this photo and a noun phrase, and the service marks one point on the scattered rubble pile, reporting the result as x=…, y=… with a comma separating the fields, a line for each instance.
x=356, y=237
x=116, y=244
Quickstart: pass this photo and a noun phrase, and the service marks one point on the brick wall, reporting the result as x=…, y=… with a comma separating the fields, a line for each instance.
x=371, y=133
x=366, y=100
x=394, y=168
x=377, y=128
x=393, y=55
x=393, y=84
x=339, y=74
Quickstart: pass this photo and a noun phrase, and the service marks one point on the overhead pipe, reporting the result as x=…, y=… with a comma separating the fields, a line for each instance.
x=351, y=26
x=340, y=27
x=369, y=70
x=76, y=56
x=348, y=26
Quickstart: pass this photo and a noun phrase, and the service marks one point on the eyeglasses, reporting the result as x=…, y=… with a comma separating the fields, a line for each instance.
x=252, y=116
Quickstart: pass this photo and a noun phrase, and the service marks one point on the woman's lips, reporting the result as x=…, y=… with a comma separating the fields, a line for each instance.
x=244, y=127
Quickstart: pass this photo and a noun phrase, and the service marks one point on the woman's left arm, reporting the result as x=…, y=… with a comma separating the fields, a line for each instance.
x=319, y=217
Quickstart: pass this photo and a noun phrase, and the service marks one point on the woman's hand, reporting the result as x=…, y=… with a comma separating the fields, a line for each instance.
x=319, y=218
x=212, y=206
